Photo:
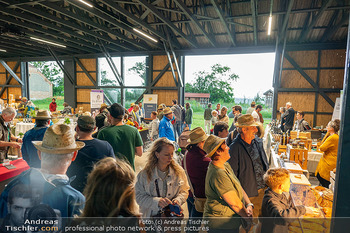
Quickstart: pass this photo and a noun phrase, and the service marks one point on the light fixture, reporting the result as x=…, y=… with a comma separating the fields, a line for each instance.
x=3, y=50
x=270, y=24
x=48, y=42
x=86, y=3
x=145, y=35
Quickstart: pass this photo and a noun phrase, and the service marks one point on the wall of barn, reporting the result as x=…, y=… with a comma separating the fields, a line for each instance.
x=326, y=69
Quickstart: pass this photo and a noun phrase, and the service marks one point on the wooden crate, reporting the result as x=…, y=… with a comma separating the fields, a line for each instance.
x=298, y=155
x=281, y=149
x=306, y=135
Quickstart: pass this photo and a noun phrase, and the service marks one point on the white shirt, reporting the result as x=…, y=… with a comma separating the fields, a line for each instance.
x=256, y=116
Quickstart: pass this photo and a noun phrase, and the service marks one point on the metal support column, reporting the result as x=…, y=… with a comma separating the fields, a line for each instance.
x=122, y=77
x=182, y=88
x=276, y=78
x=25, y=79
x=70, y=93
x=341, y=203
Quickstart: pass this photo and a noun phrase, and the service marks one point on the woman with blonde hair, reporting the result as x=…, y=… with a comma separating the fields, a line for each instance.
x=162, y=182
x=223, y=115
x=110, y=190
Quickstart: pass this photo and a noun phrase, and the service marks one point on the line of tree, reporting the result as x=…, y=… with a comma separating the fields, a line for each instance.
x=218, y=82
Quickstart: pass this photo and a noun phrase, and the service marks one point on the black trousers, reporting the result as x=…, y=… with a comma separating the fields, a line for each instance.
x=323, y=182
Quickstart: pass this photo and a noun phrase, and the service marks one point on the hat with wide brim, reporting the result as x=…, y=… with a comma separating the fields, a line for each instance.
x=42, y=115
x=212, y=144
x=167, y=110
x=197, y=135
x=58, y=139
x=246, y=120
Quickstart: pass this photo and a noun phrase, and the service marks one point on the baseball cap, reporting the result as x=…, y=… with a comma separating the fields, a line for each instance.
x=86, y=122
x=116, y=110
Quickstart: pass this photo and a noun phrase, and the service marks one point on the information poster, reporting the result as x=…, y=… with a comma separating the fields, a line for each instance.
x=150, y=102
x=96, y=99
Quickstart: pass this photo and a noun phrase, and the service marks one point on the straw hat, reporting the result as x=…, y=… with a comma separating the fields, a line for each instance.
x=167, y=110
x=42, y=115
x=197, y=135
x=58, y=139
x=212, y=144
x=132, y=104
x=246, y=120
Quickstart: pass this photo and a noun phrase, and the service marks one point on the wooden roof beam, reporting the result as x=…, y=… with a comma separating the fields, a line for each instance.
x=25, y=26
x=103, y=14
x=54, y=27
x=189, y=14
x=285, y=20
x=314, y=20
x=89, y=22
x=223, y=20
x=167, y=22
x=132, y=17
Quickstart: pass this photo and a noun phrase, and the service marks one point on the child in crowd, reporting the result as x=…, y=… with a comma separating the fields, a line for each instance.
x=213, y=120
x=277, y=210
x=154, y=126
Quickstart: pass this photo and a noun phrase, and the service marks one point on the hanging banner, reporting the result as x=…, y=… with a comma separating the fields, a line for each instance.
x=96, y=99
x=150, y=102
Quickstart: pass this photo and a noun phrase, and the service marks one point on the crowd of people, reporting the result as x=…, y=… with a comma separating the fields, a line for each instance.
x=224, y=173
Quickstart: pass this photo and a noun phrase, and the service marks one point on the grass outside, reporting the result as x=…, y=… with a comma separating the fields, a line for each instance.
x=44, y=103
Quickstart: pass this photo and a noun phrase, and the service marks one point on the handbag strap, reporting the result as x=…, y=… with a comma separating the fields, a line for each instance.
x=188, y=177
x=157, y=187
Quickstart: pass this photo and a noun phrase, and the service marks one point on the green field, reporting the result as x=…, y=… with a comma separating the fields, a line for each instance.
x=44, y=103
x=198, y=113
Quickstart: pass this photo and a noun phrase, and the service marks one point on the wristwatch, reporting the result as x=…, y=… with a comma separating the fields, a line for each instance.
x=250, y=204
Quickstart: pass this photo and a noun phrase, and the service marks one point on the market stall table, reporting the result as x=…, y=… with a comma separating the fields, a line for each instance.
x=22, y=127
x=6, y=175
x=313, y=159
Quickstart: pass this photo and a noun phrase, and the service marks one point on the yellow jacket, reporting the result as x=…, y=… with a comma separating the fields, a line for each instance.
x=329, y=159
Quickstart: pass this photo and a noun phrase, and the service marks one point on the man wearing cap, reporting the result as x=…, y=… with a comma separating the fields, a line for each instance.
x=56, y=151
x=53, y=105
x=29, y=152
x=248, y=160
x=125, y=139
x=23, y=103
x=93, y=151
x=6, y=138
x=165, y=127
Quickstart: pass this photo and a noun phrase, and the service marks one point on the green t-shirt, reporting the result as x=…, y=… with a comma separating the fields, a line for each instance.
x=218, y=182
x=123, y=139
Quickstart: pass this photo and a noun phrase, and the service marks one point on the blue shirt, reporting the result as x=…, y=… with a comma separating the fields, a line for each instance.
x=93, y=151
x=166, y=129
x=29, y=152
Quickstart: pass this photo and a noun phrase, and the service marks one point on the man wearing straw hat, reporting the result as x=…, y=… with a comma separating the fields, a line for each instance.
x=248, y=160
x=165, y=127
x=56, y=151
x=29, y=152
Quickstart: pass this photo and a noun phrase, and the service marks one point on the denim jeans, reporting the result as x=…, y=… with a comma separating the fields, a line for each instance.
x=193, y=214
